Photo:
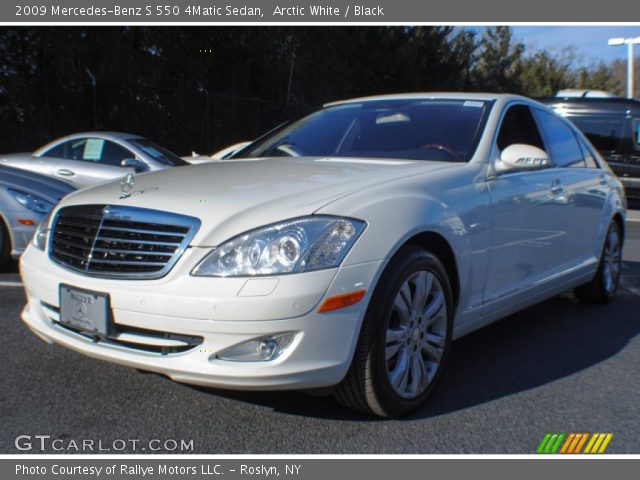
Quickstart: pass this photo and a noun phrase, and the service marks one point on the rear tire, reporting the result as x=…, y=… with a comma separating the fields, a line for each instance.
x=602, y=288
x=5, y=244
x=404, y=340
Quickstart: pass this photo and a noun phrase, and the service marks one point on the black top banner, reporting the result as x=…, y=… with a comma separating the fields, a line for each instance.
x=325, y=11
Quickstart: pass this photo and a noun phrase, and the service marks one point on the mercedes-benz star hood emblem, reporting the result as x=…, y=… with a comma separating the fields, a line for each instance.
x=126, y=185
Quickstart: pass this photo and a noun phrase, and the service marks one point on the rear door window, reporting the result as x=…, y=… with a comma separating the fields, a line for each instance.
x=589, y=155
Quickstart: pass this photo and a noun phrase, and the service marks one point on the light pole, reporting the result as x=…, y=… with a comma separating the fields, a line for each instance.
x=629, y=42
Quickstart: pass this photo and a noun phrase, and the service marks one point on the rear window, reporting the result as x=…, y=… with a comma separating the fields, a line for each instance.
x=605, y=132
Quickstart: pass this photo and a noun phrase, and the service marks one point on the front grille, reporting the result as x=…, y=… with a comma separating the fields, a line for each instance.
x=116, y=241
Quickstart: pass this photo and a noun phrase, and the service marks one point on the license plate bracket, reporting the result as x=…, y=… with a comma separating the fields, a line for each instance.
x=85, y=310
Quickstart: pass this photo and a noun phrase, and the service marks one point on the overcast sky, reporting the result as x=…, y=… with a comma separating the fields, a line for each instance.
x=590, y=42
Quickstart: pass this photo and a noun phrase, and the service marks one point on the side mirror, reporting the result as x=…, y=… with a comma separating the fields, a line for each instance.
x=520, y=157
x=137, y=165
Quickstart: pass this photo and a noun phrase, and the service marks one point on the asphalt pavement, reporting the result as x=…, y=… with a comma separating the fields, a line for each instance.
x=557, y=367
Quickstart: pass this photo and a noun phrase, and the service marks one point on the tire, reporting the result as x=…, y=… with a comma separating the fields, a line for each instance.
x=5, y=244
x=602, y=288
x=420, y=343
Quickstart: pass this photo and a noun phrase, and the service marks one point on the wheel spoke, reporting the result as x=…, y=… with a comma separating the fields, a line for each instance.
x=392, y=350
x=433, y=348
x=423, y=281
x=417, y=374
x=396, y=334
x=434, y=339
x=613, y=241
x=434, y=307
x=405, y=293
x=400, y=373
x=401, y=307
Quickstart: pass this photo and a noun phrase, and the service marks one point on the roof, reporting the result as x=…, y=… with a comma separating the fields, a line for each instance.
x=616, y=105
x=486, y=97
x=116, y=135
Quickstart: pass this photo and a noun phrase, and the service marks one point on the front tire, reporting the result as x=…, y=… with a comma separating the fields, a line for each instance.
x=602, y=289
x=404, y=340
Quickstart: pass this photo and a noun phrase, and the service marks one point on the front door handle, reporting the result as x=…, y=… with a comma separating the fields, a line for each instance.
x=65, y=172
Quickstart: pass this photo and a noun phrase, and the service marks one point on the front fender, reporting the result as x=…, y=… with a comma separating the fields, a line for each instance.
x=399, y=211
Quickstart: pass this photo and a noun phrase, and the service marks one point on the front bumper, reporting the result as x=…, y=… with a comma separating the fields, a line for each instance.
x=631, y=186
x=19, y=234
x=20, y=237
x=220, y=312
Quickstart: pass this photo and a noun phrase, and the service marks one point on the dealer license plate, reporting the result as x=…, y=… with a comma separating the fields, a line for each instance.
x=85, y=310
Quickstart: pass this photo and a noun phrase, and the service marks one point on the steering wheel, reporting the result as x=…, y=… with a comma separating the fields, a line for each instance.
x=443, y=148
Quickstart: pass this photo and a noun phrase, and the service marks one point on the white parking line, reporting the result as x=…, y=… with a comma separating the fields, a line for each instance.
x=10, y=284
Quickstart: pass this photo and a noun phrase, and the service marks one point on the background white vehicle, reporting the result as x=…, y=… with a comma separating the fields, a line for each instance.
x=94, y=157
x=346, y=250
x=226, y=152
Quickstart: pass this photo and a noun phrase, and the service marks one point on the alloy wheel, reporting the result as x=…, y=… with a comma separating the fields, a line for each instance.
x=416, y=334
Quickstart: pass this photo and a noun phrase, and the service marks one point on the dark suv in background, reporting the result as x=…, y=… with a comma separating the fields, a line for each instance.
x=613, y=127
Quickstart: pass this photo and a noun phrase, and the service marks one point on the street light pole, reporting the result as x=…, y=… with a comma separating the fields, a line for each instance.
x=629, y=42
x=630, y=70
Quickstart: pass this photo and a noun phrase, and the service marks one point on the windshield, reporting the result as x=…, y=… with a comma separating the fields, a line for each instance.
x=158, y=153
x=444, y=130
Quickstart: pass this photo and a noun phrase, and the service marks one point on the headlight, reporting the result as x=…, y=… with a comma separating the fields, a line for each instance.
x=32, y=202
x=42, y=234
x=299, y=245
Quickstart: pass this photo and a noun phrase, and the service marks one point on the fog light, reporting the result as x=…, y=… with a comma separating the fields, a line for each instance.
x=260, y=349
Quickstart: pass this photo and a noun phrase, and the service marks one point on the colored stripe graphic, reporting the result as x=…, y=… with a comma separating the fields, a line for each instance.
x=573, y=443
x=550, y=443
x=598, y=443
x=580, y=444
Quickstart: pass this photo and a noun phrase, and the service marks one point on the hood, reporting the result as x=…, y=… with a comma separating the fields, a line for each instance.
x=233, y=196
x=43, y=186
x=16, y=155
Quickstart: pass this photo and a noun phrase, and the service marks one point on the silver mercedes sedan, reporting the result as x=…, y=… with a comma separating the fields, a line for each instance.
x=25, y=199
x=93, y=157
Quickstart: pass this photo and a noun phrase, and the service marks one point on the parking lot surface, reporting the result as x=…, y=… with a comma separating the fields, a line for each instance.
x=557, y=367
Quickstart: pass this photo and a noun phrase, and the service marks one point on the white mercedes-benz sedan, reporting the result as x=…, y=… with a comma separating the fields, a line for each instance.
x=346, y=249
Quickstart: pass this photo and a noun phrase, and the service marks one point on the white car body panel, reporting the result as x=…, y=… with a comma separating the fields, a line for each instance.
x=507, y=254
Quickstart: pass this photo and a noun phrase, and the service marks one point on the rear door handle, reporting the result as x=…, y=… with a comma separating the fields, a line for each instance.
x=557, y=187
x=65, y=172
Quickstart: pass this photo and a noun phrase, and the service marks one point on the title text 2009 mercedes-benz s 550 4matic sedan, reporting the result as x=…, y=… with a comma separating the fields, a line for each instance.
x=346, y=249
